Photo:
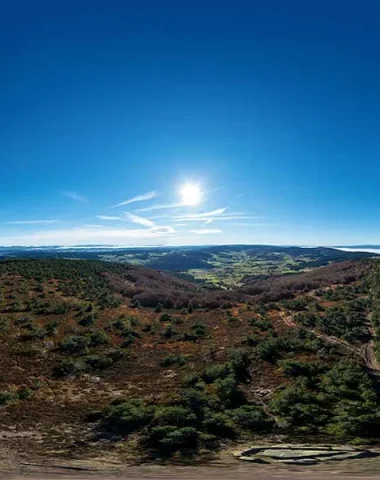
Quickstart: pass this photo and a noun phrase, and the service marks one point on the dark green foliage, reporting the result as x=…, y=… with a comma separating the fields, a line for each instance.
x=170, y=438
x=214, y=372
x=98, y=362
x=158, y=308
x=262, y=324
x=6, y=397
x=273, y=348
x=75, y=344
x=296, y=341
x=24, y=392
x=307, y=319
x=165, y=317
x=295, y=368
x=98, y=338
x=69, y=368
x=251, y=417
x=198, y=418
x=4, y=324
x=88, y=320
x=109, y=301
x=51, y=327
x=127, y=416
x=346, y=321
x=199, y=330
x=168, y=331
x=171, y=360
x=297, y=304
x=341, y=402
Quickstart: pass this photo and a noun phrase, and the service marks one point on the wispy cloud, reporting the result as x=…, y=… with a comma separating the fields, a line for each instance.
x=146, y=222
x=219, y=214
x=75, y=196
x=162, y=229
x=206, y=231
x=137, y=198
x=109, y=218
x=160, y=207
x=213, y=213
x=30, y=222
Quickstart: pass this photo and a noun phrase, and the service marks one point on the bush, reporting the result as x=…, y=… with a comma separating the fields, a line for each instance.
x=52, y=327
x=171, y=360
x=158, y=308
x=4, y=324
x=168, y=332
x=75, y=344
x=165, y=317
x=251, y=417
x=170, y=438
x=6, y=397
x=98, y=362
x=294, y=368
x=88, y=320
x=69, y=368
x=24, y=392
x=219, y=424
x=98, y=338
x=127, y=416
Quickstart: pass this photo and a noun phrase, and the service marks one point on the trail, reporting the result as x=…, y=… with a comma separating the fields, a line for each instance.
x=366, y=351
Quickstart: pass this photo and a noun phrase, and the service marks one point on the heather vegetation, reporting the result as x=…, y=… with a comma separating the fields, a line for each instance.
x=168, y=367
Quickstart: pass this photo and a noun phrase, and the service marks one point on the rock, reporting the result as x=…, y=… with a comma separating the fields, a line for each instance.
x=302, y=454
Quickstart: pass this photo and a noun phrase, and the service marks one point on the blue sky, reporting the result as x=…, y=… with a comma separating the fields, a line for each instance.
x=271, y=108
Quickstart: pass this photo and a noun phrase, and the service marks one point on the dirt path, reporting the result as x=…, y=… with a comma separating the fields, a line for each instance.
x=369, y=357
x=245, y=471
x=367, y=351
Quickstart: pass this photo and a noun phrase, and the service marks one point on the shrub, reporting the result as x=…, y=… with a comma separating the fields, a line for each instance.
x=169, y=438
x=98, y=338
x=168, y=332
x=199, y=330
x=294, y=368
x=6, y=397
x=171, y=360
x=69, y=368
x=213, y=372
x=88, y=320
x=24, y=392
x=165, y=317
x=158, y=308
x=4, y=324
x=52, y=327
x=98, y=362
x=251, y=417
x=219, y=424
x=75, y=344
x=127, y=416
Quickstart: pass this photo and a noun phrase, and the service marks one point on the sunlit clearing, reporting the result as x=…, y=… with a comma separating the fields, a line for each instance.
x=191, y=194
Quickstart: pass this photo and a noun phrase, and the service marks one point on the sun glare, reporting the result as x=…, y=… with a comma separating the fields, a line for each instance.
x=190, y=194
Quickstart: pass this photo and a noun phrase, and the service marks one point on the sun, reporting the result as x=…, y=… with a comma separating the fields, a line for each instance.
x=191, y=194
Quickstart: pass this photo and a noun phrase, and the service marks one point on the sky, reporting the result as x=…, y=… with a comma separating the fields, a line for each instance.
x=111, y=112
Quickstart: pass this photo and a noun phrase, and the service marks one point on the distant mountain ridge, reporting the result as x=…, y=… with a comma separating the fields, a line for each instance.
x=217, y=265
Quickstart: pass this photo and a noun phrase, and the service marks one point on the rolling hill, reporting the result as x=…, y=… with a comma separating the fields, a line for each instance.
x=223, y=266
x=97, y=355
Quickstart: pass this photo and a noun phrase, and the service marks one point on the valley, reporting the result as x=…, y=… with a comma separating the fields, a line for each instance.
x=103, y=358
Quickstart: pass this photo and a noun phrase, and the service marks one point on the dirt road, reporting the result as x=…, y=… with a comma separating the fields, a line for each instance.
x=223, y=469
